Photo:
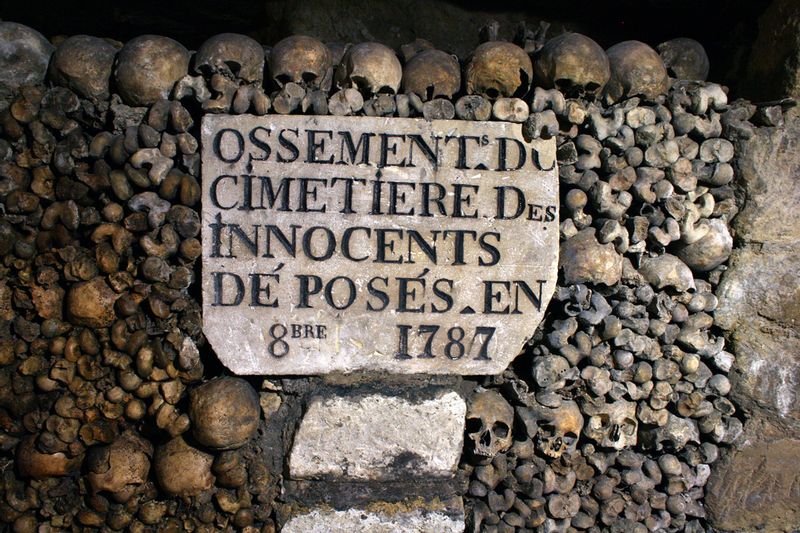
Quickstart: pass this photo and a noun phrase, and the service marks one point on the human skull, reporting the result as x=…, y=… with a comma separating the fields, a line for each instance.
x=373, y=68
x=489, y=422
x=302, y=60
x=120, y=468
x=612, y=425
x=432, y=74
x=147, y=68
x=674, y=435
x=24, y=54
x=557, y=429
x=685, y=59
x=233, y=55
x=636, y=70
x=83, y=63
x=499, y=68
x=573, y=63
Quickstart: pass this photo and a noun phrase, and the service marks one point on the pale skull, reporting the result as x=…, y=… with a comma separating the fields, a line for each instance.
x=302, y=60
x=489, y=422
x=373, y=68
x=612, y=425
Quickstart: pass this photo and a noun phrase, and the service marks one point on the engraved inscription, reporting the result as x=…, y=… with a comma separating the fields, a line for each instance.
x=335, y=244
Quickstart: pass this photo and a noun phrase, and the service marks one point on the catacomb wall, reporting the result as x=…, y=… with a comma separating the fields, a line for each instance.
x=657, y=394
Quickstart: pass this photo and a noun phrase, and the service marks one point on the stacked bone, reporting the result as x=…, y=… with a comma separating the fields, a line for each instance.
x=616, y=417
x=612, y=420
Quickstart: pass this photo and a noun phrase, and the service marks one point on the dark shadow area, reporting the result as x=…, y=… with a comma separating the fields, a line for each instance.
x=727, y=28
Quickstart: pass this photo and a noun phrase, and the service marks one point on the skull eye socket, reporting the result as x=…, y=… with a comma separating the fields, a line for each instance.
x=570, y=438
x=592, y=87
x=234, y=66
x=309, y=77
x=283, y=79
x=492, y=93
x=629, y=426
x=385, y=90
x=360, y=82
x=523, y=85
x=473, y=425
x=500, y=430
x=563, y=84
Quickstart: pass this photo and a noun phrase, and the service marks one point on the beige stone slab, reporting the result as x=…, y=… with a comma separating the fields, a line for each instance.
x=342, y=244
x=379, y=437
x=370, y=521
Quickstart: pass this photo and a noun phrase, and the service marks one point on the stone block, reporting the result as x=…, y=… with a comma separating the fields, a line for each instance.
x=379, y=437
x=757, y=488
x=388, y=518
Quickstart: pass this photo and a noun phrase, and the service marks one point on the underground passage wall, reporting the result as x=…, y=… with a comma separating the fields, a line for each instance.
x=649, y=385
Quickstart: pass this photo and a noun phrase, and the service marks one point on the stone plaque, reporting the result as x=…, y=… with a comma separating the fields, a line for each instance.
x=337, y=244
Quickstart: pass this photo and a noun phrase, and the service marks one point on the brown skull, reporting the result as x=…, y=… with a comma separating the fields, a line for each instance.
x=432, y=74
x=497, y=69
x=373, y=68
x=489, y=422
x=685, y=59
x=84, y=63
x=147, y=68
x=636, y=70
x=302, y=60
x=120, y=468
x=573, y=63
x=233, y=55
x=557, y=429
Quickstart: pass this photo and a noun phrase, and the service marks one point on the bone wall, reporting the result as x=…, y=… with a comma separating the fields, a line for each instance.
x=117, y=414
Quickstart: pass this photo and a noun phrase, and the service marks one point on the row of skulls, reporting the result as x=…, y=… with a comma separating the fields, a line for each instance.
x=147, y=67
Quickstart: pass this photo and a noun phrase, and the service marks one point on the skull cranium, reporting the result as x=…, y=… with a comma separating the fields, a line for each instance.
x=573, y=63
x=302, y=60
x=432, y=74
x=636, y=70
x=498, y=69
x=120, y=468
x=612, y=425
x=489, y=422
x=233, y=55
x=373, y=68
x=555, y=430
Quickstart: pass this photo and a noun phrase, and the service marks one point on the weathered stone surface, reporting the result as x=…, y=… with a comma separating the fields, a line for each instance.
x=759, y=303
x=758, y=294
x=24, y=54
x=757, y=487
x=380, y=519
x=773, y=69
x=379, y=437
x=754, y=487
x=91, y=303
x=768, y=167
x=400, y=245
